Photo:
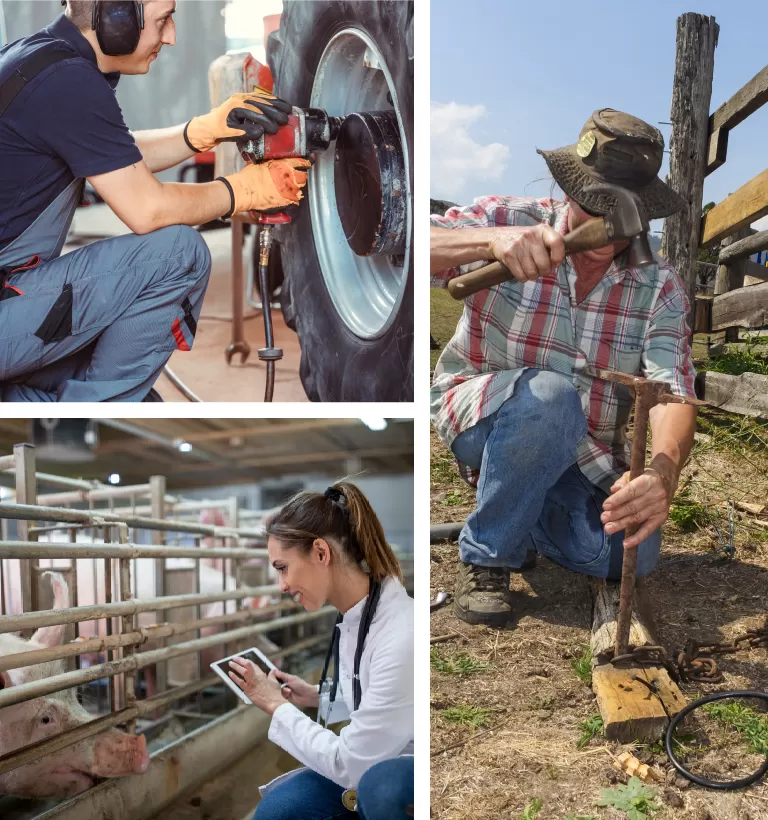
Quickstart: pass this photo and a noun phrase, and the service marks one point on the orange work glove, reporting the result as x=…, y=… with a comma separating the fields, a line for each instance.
x=273, y=184
x=242, y=116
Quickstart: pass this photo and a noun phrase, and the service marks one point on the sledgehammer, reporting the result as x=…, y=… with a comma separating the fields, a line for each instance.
x=627, y=220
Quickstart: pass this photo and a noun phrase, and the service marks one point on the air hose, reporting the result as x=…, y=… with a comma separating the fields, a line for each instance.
x=722, y=785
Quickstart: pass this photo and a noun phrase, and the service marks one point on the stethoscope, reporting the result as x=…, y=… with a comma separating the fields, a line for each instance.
x=332, y=685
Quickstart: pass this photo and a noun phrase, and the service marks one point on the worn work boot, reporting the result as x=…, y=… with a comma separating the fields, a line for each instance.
x=482, y=595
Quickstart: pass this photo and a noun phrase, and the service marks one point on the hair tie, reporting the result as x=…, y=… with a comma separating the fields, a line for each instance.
x=334, y=494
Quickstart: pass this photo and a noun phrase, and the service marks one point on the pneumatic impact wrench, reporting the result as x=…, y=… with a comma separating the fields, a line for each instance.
x=307, y=130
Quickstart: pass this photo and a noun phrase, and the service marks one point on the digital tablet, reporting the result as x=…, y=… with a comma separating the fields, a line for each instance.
x=222, y=669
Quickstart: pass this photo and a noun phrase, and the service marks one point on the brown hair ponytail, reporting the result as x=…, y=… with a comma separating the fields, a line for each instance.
x=343, y=514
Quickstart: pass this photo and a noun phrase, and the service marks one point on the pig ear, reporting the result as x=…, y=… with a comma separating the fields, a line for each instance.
x=51, y=636
x=60, y=589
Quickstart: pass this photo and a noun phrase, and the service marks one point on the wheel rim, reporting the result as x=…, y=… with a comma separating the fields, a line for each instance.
x=366, y=291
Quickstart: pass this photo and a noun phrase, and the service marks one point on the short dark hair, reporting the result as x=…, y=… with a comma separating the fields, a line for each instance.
x=80, y=12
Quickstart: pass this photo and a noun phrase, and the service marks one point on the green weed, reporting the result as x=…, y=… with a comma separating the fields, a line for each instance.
x=582, y=665
x=744, y=359
x=453, y=499
x=466, y=715
x=635, y=799
x=460, y=664
x=688, y=515
x=591, y=727
x=531, y=811
x=752, y=726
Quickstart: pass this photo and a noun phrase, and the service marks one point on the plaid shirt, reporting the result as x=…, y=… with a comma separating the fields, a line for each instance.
x=634, y=320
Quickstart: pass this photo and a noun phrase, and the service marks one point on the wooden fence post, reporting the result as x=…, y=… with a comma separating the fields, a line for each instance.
x=691, y=94
x=731, y=276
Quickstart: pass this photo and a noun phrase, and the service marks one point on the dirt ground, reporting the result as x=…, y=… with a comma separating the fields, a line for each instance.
x=516, y=690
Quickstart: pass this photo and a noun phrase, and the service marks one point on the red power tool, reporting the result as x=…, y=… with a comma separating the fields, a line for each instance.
x=307, y=130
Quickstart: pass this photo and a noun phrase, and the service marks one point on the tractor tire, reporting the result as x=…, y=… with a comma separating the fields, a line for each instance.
x=343, y=356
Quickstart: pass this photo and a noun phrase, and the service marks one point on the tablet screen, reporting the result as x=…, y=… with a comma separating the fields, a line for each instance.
x=250, y=655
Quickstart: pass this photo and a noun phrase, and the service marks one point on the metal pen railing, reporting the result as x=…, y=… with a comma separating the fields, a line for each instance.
x=124, y=647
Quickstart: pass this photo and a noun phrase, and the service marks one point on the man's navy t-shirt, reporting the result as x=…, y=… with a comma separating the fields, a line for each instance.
x=65, y=123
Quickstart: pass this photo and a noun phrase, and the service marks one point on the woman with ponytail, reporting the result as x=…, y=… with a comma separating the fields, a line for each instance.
x=329, y=548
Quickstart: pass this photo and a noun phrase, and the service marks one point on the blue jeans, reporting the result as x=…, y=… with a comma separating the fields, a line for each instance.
x=383, y=793
x=531, y=494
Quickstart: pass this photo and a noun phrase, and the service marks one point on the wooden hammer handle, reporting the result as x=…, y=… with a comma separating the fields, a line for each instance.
x=586, y=237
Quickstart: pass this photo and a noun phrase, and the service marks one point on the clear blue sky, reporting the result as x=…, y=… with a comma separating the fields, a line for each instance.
x=540, y=68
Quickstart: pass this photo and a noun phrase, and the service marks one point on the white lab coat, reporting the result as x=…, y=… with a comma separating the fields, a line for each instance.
x=382, y=728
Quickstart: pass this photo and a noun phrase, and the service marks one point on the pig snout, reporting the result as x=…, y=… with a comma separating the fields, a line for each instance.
x=116, y=754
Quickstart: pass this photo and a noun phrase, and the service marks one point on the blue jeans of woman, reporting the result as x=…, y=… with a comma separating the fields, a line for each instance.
x=531, y=494
x=383, y=793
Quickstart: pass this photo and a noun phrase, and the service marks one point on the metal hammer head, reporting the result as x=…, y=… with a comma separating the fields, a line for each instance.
x=627, y=220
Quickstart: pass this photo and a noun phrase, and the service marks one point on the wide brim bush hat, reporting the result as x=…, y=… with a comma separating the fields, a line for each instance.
x=618, y=149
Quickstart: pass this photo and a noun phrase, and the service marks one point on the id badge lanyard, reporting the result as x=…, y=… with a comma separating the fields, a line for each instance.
x=329, y=686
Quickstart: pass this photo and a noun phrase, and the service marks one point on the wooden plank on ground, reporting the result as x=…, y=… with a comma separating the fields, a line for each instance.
x=746, y=394
x=736, y=211
x=743, y=103
x=629, y=709
x=744, y=307
x=744, y=247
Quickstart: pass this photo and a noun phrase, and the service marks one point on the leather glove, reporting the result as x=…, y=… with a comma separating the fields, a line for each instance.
x=273, y=184
x=242, y=116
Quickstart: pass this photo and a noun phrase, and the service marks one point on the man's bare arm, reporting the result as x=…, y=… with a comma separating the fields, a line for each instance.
x=672, y=428
x=528, y=252
x=145, y=204
x=163, y=148
x=450, y=248
x=644, y=502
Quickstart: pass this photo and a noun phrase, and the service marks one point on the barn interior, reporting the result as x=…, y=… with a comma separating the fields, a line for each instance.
x=156, y=527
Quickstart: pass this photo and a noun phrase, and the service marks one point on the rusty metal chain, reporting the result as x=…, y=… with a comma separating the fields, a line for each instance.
x=688, y=664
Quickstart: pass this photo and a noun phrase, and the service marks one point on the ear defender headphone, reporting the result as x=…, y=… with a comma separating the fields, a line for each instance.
x=118, y=25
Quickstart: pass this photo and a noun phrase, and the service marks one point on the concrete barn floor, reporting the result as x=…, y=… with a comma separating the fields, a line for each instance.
x=204, y=369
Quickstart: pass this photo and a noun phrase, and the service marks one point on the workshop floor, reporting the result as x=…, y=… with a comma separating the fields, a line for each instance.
x=204, y=369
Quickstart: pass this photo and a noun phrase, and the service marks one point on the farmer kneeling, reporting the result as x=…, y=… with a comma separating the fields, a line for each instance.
x=545, y=443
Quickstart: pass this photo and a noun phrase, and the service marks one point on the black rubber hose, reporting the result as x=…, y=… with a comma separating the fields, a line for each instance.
x=268, y=334
x=445, y=532
x=727, y=785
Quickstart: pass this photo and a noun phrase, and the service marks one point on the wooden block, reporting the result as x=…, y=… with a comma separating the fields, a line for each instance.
x=717, y=150
x=630, y=711
x=737, y=211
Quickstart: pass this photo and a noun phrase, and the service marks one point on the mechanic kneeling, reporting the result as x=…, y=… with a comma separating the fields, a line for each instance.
x=99, y=324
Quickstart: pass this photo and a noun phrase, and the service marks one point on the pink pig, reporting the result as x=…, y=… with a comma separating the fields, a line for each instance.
x=73, y=769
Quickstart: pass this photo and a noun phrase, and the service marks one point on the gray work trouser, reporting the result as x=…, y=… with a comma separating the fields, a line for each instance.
x=99, y=323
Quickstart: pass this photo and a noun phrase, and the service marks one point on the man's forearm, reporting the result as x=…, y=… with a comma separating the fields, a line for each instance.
x=451, y=247
x=672, y=427
x=163, y=148
x=189, y=204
